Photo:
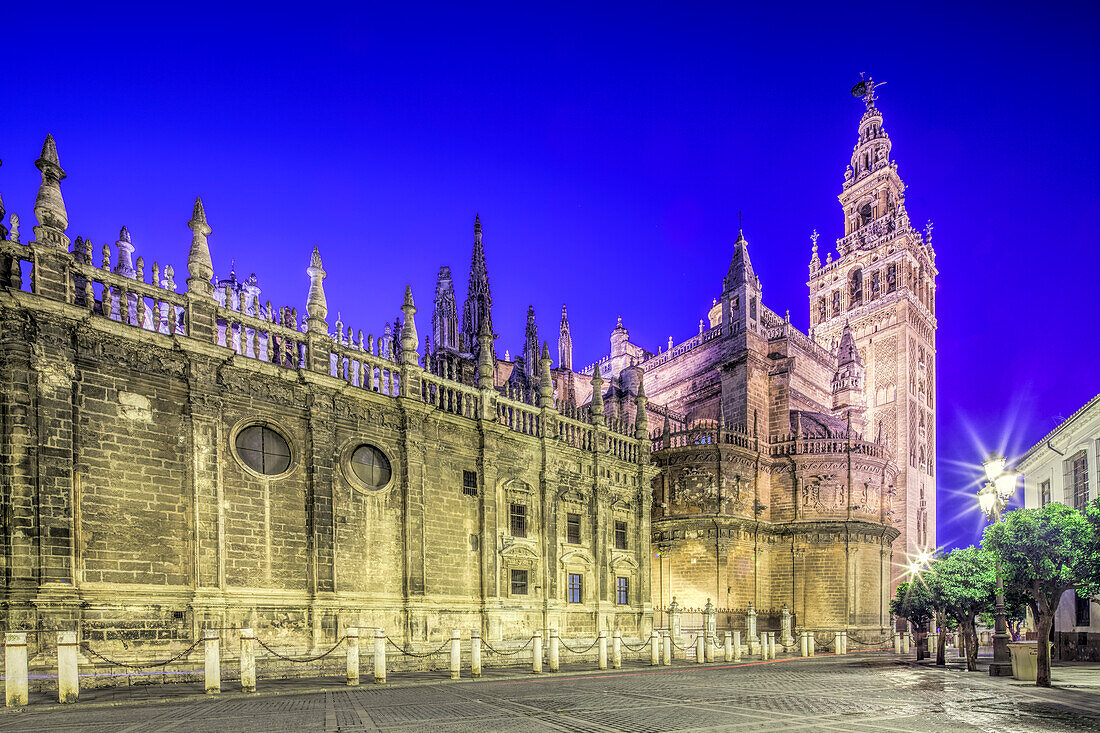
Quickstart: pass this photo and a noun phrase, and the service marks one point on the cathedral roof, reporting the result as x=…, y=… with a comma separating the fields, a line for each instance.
x=816, y=424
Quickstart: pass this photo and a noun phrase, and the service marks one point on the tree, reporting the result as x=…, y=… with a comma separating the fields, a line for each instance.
x=962, y=584
x=1044, y=553
x=913, y=602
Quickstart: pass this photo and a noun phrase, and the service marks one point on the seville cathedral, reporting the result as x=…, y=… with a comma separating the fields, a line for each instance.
x=176, y=461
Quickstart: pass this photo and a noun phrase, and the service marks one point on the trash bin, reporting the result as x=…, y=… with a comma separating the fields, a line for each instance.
x=1025, y=659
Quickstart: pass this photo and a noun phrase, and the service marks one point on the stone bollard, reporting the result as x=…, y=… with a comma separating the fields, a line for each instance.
x=456, y=654
x=709, y=642
x=667, y=647
x=555, y=651
x=803, y=643
x=379, y=656
x=763, y=645
x=601, y=644
x=737, y=645
x=617, y=649
x=729, y=647
x=897, y=642
x=475, y=654
x=843, y=645
x=700, y=648
x=750, y=629
x=810, y=639
x=248, y=661
x=654, y=648
x=905, y=642
x=536, y=652
x=67, y=685
x=213, y=662
x=771, y=645
x=15, y=669
x=674, y=618
x=787, y=641
x=352, y=636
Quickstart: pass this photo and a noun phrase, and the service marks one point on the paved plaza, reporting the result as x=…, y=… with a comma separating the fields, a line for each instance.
x=866, y=692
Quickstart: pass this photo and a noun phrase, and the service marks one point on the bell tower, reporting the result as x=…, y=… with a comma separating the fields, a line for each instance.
x=882, y=283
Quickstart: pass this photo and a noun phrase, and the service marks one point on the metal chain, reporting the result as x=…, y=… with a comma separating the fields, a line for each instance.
x=490, y=648
x=638, y=648
x=414, y=654
x=682, y=648
x=166, y=662
x=579, y=651
x=300, y=661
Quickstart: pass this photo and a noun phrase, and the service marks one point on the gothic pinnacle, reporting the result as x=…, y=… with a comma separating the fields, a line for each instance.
x=546, y=383
x=317, y=305
x=125, y=263
x=199, y=267
x=410, y=341
x=49, y=207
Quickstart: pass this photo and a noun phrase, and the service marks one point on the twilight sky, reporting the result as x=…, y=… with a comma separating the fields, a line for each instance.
x=608, y=153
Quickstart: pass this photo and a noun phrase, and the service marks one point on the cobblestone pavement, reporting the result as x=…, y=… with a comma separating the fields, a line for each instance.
x=867, y=692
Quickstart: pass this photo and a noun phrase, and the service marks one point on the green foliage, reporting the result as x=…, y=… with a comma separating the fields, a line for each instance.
x=962, y=583
x=1047, y=551
x=913, y=602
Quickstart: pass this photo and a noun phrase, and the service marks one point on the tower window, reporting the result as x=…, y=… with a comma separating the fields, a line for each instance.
x=836, y=302
x=518, y=517
x=519, y=582
x=620, y=535
x=891, y=278
x=573, y=529
x=855, y=289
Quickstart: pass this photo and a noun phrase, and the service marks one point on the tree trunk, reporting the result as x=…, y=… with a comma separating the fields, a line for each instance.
x=971, y=634
x=941, y=649
x=1046, y=610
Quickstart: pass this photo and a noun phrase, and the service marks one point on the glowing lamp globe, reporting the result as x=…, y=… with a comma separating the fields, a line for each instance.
x=994, y=466
x=1006, y=484
x=914, y=568
x=924, y=558
x=986, y=498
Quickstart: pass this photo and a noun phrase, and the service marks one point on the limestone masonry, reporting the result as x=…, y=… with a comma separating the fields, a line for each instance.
x=178, y=461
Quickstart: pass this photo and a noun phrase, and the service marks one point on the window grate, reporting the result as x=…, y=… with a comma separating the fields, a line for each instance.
x=573, y=529
x=469, y=483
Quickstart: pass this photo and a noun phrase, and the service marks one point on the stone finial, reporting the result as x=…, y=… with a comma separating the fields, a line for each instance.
x=49, y=207
x=317, y=305
x=485, y=377
x=14, y=236
x=641, y=421
x=546, y=381
x=597, y=396
x=410, y=342
x=200, y=269
x=815, y=261
x=125, y=263
x=105, y=262
x=565, y=342
x=169, y=278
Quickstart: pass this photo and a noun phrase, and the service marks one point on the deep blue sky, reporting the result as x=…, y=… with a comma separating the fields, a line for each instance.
x=608, y=152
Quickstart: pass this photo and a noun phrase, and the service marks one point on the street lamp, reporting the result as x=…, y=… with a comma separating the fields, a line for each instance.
x=993, y=498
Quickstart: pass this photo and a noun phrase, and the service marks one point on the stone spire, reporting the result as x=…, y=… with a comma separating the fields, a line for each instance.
x=49, y=207
x=741, y=272
x=479, y=301
x=125, y=263
x=848, y=380
x=531, y=346
x=546, y=381
x=485, y=368
x=317, y=305
x=199, y=267
x=815, y=261
x=410, y=342
x=565, y=343
x=445, y=313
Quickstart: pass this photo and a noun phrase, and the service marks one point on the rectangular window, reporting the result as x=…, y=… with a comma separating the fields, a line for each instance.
x=622, y=591
x=836, y=302
x=1084, y=611
x=576, y=588
x=518, y=515
x=573, y=529
x=469, y=483
x=891, y=278
x=620, y=535
x=1077, y=479
x=1044, y=493
x=519, y=582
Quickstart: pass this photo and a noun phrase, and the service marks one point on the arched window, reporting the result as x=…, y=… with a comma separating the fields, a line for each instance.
x=855, y=288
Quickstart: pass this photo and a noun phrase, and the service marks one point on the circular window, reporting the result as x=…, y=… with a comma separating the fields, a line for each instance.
x=371, y=467
x=263, y=450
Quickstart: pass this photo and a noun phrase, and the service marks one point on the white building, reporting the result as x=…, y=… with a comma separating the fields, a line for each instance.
x=1065, y=466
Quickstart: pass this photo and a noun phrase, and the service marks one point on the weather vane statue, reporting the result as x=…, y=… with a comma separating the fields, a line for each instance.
x=866, y=88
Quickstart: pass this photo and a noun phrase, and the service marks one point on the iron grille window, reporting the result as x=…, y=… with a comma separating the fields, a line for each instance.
x=1044, y=493
x=620, y=535
x=519, y=582
x=573, y=529
x=576, y=587
x=622, y=591
x=1077, y=479
x=518, y=523
x=469, y=483
x=1084, y=612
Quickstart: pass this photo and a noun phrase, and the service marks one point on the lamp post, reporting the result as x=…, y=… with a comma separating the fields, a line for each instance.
x=993, y=497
